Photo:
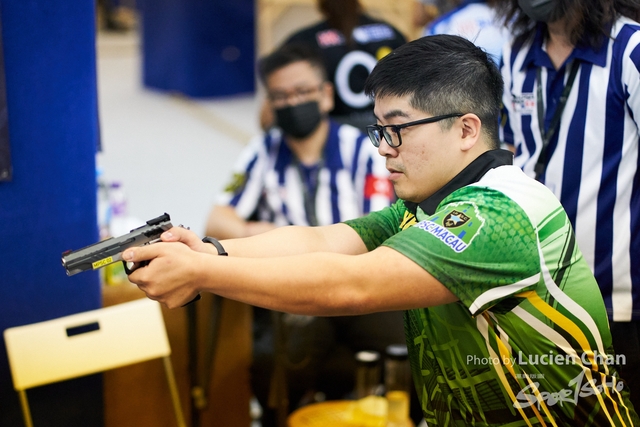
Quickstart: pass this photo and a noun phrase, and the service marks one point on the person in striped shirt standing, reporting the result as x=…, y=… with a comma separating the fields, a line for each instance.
x=306, y=171
x=572, y=105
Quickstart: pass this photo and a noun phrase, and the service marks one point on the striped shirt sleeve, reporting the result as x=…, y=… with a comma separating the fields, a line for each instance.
x=244, y=189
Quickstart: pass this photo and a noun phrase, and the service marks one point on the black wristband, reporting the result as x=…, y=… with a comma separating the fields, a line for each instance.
x=215, y=243
x=221, y=251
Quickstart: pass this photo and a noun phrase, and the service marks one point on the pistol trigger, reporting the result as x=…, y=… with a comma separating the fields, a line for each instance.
x=130, y=266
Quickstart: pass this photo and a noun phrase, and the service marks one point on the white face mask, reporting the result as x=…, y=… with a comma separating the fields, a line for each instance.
x=538, y=10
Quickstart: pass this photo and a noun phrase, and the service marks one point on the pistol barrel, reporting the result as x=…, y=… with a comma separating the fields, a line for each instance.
x=108, y=251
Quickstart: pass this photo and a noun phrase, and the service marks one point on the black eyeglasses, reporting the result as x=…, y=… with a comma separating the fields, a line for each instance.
x=299, y=94
x=377, y=132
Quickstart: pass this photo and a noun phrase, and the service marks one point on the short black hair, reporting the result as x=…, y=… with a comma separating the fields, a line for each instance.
x=288, y=54
x=442, y=74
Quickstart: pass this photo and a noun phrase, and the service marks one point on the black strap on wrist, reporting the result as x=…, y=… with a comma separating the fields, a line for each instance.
x=221, y=251
x=217, y=244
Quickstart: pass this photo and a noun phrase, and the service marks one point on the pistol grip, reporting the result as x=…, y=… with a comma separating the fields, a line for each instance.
x=130, y=267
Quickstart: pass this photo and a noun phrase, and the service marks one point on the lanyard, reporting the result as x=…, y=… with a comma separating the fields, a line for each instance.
x=310, y=183
x=541, y=164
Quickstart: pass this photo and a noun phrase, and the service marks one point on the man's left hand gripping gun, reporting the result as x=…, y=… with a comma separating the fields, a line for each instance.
x=110, y=250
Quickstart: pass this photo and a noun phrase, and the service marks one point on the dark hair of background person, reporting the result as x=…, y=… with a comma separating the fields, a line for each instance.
x=587, y=21
x=476, y=86
x=343, y=15
x=288, y=54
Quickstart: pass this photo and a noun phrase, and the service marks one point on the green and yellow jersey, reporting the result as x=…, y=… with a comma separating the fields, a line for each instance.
x=528, y=342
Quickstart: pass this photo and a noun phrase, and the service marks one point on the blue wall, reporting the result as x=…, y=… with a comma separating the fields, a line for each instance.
x=50, y=205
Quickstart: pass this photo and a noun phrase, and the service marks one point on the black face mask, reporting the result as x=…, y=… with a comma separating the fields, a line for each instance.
x=538, y=10
x=300, y=120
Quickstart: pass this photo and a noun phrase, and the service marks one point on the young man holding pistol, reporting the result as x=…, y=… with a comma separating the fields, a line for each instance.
x=505, y=323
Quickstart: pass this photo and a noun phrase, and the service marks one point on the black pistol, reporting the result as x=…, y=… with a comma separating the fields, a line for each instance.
x=110, y=250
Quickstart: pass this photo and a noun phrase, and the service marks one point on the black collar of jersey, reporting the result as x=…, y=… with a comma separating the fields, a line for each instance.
x=472, y=173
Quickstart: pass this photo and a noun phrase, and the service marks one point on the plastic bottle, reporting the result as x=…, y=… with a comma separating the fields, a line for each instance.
x=397, y=372
x=114, y=273
x=104, y=205
x=370, y=408
x=118, y=202
x=397, y=381
x=367, y=373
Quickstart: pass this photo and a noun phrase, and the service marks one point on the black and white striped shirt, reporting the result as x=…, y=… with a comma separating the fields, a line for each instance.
x=350, y=181
x=593, y=157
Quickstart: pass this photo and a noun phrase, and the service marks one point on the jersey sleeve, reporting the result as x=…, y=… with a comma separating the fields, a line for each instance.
x=378, y=226
x=244, y=189
x=482, y=248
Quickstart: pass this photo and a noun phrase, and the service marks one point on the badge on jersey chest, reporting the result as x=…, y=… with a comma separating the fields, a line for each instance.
x=524, y=103
x=455, y=219
x=455, y=226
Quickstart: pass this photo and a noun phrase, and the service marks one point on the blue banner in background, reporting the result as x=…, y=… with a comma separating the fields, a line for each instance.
x=49, y=206
x=5, y=152
x=198, y=48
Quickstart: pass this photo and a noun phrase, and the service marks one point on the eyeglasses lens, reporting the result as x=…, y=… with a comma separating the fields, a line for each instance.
x=389, y=138
x=374, y=135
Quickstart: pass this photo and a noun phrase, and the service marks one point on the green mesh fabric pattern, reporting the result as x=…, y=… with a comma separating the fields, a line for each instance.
x=528, y=341
x=378, y=226
x=497, y=246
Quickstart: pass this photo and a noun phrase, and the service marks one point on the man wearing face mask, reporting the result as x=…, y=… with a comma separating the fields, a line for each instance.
x=307, y=171
x=572, y=105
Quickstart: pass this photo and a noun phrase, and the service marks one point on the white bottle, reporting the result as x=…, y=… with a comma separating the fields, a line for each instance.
x=104, y=205
x=118, y=203
x=118, y=226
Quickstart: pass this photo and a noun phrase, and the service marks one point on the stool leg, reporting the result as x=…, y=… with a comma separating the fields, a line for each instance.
x=173, y=388
x=24, y=403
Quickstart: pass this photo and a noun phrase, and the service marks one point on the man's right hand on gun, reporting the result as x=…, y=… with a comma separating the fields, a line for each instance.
x=168, y=259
